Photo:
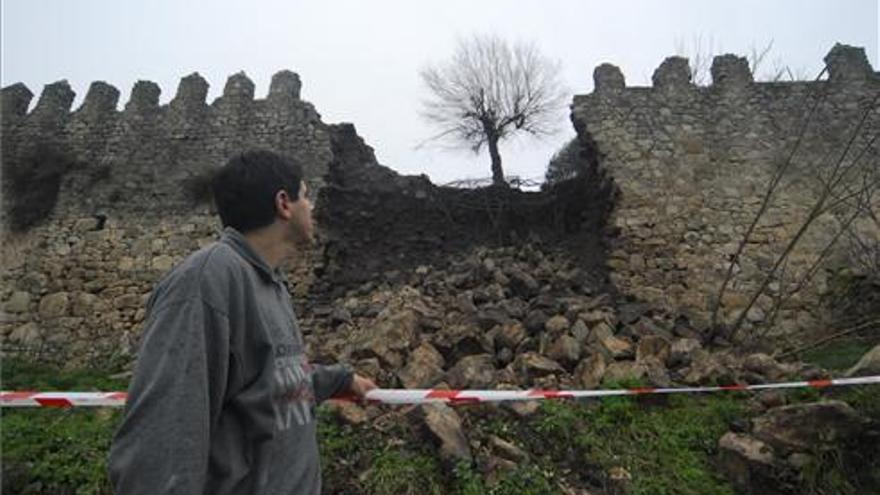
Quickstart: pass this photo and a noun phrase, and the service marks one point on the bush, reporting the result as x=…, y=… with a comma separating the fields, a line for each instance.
x=566, y=164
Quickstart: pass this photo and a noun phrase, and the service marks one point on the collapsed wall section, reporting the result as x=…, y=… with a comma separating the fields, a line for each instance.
x=377, y=224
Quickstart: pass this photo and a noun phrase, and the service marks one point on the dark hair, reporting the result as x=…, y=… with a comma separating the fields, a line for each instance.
x=245, y=188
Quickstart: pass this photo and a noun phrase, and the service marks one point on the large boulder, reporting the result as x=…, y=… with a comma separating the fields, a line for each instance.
x=802, y=427
x=477, y=371
x=388, y=339
x=556, y=325
x=708, y=369
x=590, y=371
x=766, y=366
x=619, y=371
x=565, y=350
x=54, y=305
x=532, y=365
x=510, y=335
x=748, y=463
x=423, y=369
x=612, y=346
x=653, y=349
x=444, y=424
x=457, y=341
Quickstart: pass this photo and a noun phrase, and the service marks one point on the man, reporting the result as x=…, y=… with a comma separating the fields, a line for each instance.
x=223, y=399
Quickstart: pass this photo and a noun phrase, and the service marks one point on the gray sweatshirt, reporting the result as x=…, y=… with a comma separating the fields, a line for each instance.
x=223, y=399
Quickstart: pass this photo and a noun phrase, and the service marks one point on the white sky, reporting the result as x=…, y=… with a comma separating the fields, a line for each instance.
x=359, y=60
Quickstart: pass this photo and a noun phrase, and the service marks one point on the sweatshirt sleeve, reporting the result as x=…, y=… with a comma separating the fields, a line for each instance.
x=330, y=380
x=174, y=400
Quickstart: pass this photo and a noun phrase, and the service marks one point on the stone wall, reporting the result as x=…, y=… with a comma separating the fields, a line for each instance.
x=74, y=283
x=144, y=154
x=694, y=163
x=120, y=215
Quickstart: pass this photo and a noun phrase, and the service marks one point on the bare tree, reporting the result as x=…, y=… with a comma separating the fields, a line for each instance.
x=489, y=91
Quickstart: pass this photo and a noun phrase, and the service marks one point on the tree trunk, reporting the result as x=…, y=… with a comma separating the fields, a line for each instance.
x=497, y=171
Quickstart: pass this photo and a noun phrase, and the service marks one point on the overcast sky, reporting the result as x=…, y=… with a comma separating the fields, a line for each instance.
x=359, y=60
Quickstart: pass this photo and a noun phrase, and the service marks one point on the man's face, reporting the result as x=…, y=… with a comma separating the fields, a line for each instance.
x=301, y=228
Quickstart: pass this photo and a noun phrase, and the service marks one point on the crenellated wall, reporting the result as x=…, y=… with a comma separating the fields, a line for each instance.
x=144, y=154
x=121, y=212
x=693, y=164
x=689, y=167
x=74, y=282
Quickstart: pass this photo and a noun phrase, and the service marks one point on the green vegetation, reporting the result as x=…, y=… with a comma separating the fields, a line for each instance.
x=399, y=471
x=665, y=449
x=524, y=480
x=838, y=355
x=52, y=450
x=664, y=444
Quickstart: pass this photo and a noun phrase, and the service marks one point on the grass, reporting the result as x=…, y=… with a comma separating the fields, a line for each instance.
x=404, y=472
x=52, y=450
x=665, y=449
x=667, y=445
x=838, y=355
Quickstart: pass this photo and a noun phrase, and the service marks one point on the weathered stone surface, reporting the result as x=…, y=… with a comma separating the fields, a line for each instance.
x=673, y=236
x=27, y=335
x=490, y=317
x=802, y=427
x=424, y=368
x=747, y=462
x=507, y=450
x=565, y=350
x=84, y=303
x=456, y=341
x=556, y=325
x=339, y=316
x=580, y=331
x=625, y=371
x=350, y=413
x=445, y=425
x=54, y=305
x=523, y=284
x=869, y=364
x=706, y=369
x=388, y=337
x=590, y=371
x=510, y=335
x=532, y=364
x=766, y=366
x=476, y=372
x=524, y=408
x=535, y=321
x=162, y=263
x=611, y=345
x=682, y=350
x=19, y=302
x=652, y=348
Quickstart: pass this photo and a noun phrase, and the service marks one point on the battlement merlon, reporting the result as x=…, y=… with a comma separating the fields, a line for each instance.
x=844, y=65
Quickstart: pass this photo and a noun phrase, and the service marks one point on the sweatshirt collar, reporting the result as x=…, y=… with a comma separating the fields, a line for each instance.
x=239, y=243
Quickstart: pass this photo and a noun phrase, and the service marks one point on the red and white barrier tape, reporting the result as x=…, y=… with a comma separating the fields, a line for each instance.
x=426, y=396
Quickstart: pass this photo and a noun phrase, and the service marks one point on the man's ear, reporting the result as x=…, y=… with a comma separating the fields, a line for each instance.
x=283, y=205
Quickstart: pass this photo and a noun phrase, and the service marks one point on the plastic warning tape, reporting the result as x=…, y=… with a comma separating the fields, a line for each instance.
x=427, y=396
